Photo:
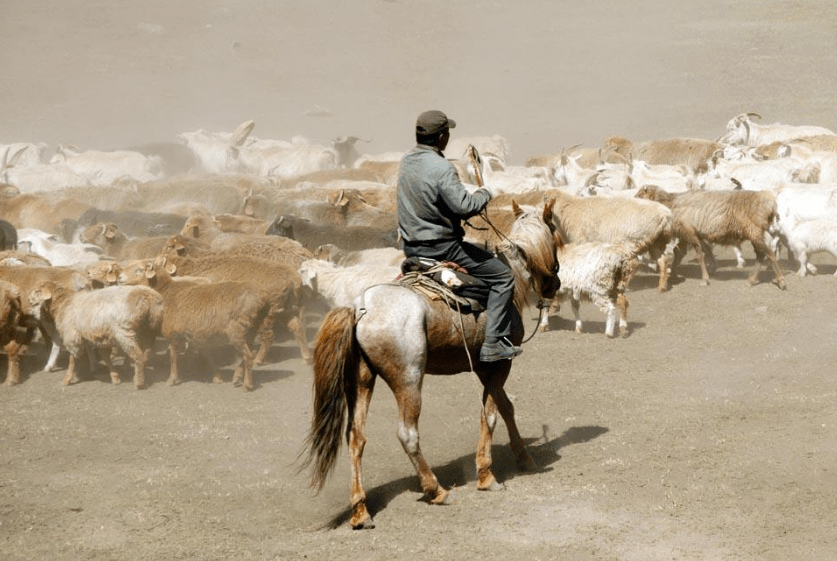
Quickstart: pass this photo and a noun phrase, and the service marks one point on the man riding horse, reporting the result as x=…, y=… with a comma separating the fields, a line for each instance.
x=432, y=203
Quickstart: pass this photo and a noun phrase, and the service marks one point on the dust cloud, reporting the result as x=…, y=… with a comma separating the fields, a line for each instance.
x=111, y=74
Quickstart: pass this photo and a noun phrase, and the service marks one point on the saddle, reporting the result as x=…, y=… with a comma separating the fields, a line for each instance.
x=444, y=280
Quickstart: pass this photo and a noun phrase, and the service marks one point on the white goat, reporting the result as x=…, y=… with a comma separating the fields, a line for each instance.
x=742, y=130
x=106, y=167
x=597, y=272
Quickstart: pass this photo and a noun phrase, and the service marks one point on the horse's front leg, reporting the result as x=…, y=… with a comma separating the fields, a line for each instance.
x=488, y=420
x=495, y=399
x=361, y=519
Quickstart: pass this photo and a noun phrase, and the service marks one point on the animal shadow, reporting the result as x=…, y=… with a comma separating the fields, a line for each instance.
x=462, y=471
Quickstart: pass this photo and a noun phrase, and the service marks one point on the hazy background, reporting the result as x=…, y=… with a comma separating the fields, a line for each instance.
x=544, y=74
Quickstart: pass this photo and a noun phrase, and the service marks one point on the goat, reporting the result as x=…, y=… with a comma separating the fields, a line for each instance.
x=105, y=167
x=642, y=226
x=742, y=130
x=691, y=152
x=116, y=316
x=723, y=217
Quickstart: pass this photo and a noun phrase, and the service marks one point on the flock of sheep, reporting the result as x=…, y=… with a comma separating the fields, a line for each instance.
x=223, y=238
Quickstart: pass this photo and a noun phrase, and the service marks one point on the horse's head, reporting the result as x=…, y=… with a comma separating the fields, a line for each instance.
x=531, y=252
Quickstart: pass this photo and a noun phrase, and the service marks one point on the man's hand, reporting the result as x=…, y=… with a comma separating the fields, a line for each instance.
x=491, y=190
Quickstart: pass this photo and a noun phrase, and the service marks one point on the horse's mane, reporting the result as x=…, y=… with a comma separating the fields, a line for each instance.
x=532, y=240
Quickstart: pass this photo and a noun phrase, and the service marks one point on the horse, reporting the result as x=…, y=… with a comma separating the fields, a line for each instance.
x=397, y=334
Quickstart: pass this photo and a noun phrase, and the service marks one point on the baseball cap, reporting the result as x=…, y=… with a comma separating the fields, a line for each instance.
x=431, y=122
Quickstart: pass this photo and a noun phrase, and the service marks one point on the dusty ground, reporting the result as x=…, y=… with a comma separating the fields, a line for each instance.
x=709, y=433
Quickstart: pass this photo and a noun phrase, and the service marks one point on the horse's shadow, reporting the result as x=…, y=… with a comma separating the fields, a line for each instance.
x=461, y=471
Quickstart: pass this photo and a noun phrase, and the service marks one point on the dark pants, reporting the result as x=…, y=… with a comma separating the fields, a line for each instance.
x=501, y=315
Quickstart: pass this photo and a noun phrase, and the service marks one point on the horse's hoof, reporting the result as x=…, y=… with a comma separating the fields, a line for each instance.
x=443, y=497
x=489, y=483
x=360, y=519
x=218, y=380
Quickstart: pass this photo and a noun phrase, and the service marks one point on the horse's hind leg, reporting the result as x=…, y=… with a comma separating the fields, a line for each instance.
x=495, y=399
x=357, y=441
x=408, y=397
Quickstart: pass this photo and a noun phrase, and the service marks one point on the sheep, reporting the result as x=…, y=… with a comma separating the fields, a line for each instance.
x=282, y=283
x=37, y=178
x=742, y=130
x=203, y=315
x=799, y=203
x=41, y=212
x=758, y=175
x=641, y=225
x=271, y=247
x=811, y=236
x=127, y=317
x=25, y=278
x=339, y=286
x=691, y=152
x=312, y=235
x=672, y=178
x=217, y=152
x=374, y=256
x=724, y=217
x=133, y=223
x=344, y=147
x=598, y=272
x=241, y=224
x=588, y=158
x=105, y=167
x=283, y=159
x=494, y=145
x=14, y=257
x=117, y=245
x=56, y=252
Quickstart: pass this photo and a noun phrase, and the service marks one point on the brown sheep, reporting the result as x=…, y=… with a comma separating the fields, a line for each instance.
x=272, y=248
x=204, y=315
x=283, y=284
x=722, y=217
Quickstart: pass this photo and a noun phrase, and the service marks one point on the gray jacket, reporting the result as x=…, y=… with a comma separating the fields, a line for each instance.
x=432, y=202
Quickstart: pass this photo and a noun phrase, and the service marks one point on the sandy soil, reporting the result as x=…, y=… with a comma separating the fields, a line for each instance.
x=709, y=433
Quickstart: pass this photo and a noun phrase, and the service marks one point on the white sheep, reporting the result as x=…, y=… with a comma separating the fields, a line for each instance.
x=597, y=272
x=811, y=236
x=106, y=167
x=56, y=252
x=339, y=286
x=128, y=318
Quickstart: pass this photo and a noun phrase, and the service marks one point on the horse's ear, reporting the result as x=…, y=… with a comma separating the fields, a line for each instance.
x=518, y=212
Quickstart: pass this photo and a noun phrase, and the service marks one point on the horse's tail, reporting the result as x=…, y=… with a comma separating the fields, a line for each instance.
x=335, y=364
